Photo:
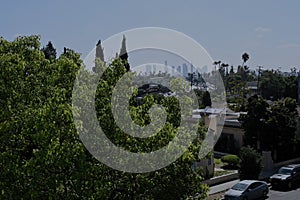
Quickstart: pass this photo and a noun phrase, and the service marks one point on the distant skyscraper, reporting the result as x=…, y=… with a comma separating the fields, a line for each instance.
x=148, y=69
x=154, y=69
x=179, y=69
x=185, y=70
x=192, y=68
x=173, y=70
x=166, y=67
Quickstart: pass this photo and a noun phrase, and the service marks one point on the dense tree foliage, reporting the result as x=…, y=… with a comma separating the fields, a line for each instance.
x=236, y=82
x=254, y=121
x=250, y=164
x=271, y=84
x=203, y=98
x=271, y=127
x=274, y=85
x=41, y=155
x=281, y=127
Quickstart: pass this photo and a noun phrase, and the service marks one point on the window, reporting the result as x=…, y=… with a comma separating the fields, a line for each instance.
x=254, y=185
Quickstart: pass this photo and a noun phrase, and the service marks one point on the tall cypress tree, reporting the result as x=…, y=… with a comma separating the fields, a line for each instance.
x=123, y=53
x=99, y=51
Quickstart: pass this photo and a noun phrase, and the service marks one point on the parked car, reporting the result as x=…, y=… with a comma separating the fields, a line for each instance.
x=286, y=176
x=247, y=189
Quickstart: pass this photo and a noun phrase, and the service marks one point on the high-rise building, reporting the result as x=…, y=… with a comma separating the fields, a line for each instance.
x=185, y=70
x=166, y=67
x=148, y=69
x=192, y=68
x=173, y=70
x=179, y=69
x=154, y=69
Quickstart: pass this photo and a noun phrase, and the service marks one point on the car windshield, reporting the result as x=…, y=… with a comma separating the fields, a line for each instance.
x=284, y=170
x=240, y=186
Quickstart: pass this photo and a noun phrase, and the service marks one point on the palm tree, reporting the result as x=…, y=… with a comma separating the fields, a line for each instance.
x=217, y=63
x=224, y=73
x=215, y=72
x=223, y=65
x=244, y=70
x=245, y=58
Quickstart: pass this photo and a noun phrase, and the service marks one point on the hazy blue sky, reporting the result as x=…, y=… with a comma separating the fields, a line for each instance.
x=269, y=30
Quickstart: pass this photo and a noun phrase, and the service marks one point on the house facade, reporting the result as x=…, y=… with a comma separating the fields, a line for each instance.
x=231, y=138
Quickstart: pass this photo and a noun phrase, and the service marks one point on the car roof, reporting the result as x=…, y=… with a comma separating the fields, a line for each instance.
x=294, y=165
x=248, y=182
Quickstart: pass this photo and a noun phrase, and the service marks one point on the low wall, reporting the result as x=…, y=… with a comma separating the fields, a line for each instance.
x=269, y=164
x=269, y=167
x=222, y=179
x=287, y=162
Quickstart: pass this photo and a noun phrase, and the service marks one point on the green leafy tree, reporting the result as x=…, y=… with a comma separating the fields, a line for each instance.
x=41, y=154
x=271, y=85
x=254, y=122
x=206, y=99
x=233, y=80
x=291, y=86
x=175, y=181
x=36, y=127
x=281, y=128
x=243, y=71
x=236, y=83
x=250, y=164
x=271, y=127
x=203, y=98
x=231, y=70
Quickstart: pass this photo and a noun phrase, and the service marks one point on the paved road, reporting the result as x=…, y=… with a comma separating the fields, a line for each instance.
x=284, y=195
x=273, y=194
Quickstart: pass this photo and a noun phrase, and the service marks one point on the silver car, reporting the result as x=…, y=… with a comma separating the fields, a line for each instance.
x=247, y=189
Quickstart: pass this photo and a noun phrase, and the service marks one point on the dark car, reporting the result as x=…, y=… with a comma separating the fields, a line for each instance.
x=286, y=176
x=247, y=190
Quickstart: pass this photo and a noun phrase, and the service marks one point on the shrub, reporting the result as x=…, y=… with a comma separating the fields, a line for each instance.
x=231, y=160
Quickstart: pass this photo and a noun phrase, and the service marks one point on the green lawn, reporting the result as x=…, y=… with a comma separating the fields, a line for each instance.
x=218, y=162
x=220, y=173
